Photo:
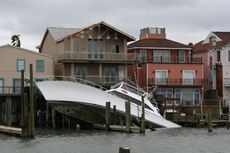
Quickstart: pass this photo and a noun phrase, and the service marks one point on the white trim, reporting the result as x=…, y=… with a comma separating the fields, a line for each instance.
x=166, y=48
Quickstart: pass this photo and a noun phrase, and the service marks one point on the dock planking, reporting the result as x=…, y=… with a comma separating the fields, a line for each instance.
x=10, y=130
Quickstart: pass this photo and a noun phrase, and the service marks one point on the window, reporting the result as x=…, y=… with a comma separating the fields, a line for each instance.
x=16, y=86
x=95, y=48
x=188, y=76
x=40, y=66
x=218, y=56
x=1, y=86
x=188, y=96
x=142, y=55
x=110, y=75
x=21, y=64
x=115, y=49
x=181, y=56
x=121, y=72
x=229, y=55
x=167, y=93
x=76, y=45
x=161, y=56
x=81, y=72
x=161, y=76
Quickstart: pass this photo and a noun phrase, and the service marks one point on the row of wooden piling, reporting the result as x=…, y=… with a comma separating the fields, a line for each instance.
x=128, y=120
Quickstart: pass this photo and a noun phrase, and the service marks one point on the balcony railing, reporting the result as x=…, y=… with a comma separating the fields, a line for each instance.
x=86, y=56
x=9, y=90
x=172, y=59
x=227, y=82
x=101, y=80
x=176, y=82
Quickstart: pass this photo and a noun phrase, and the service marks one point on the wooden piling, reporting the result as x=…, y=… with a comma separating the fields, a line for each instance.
x=47, y=114
x=107, y=115
x=114, y=115
x=63, y=121
x=22, y=122
x=69, y=122
x=209, y=122
x=31, y=104
x=124, y=150
x=53, y=118
x=127, y=110
x=142, y=128
x=8, y=111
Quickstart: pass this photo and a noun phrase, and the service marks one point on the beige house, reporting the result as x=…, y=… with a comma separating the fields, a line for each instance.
x=97, y=53
x=14, y=59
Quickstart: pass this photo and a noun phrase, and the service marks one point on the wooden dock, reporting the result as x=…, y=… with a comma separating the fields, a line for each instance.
x=10, y=130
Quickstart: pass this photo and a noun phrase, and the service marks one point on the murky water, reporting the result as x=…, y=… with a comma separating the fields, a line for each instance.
x=183, y=140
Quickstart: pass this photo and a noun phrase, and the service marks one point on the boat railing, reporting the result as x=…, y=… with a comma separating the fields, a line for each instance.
x=72, y=79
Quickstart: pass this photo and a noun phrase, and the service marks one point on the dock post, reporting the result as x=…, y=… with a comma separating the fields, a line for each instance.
x=124, y=150
x=209, y=122
x=31, y=103
x=53, y=118
x=63, y=121
x=8, y=111
x=107, y=116
x=69, y=122
x=22, y=122
x=114, y=115
x=47, y=114
x=142, y=129
x=127, y=110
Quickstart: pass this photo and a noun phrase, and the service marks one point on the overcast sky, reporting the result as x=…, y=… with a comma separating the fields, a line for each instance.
x=185, y=20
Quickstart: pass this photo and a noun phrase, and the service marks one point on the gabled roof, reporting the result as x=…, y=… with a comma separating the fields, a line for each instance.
x=60, y=32
x=157, y=44
x=202, y=47
x=129, y=37
x=26, y=50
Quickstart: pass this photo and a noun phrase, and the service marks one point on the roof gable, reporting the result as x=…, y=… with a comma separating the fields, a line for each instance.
x=25, y=50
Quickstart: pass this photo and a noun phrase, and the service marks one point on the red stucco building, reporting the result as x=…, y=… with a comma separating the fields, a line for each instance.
x=167, y=65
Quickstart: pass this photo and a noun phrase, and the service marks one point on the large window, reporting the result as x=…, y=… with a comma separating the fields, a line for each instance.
x=189, y=77
x=115, y=49
x=1, y=85
x=181, y=56
x=95, y=48
x=142, y=55
x=16, y=86
x=76, y=46
x=161, y=76
x=188, y=96
x=167, y=93
x=40, y=66
x=21, y=64
x=81, y=72
x=110, y=75
x=162, y=56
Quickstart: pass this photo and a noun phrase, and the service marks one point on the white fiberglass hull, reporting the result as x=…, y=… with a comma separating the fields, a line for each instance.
x=66, y=91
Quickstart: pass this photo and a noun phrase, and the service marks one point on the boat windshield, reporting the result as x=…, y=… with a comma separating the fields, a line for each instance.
x=132, y=89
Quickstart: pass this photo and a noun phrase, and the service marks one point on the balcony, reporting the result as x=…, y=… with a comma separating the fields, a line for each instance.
x=97, y=57
x=171, y=60
x=226, y=82
x=176, y=82
x=101, y=80
x=9, y=90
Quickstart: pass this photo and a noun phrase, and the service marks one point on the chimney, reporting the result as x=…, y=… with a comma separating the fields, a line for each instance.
x=152, y=33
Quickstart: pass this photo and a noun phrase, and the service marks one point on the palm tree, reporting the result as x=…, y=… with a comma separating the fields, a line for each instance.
x=16, y=41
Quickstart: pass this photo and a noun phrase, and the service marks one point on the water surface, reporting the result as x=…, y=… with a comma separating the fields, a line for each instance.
x=182, y=140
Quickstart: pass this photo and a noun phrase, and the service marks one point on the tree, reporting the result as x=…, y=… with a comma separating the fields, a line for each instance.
x=16, y=41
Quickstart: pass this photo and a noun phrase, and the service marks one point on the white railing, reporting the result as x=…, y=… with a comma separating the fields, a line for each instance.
x=227, y=82
x=71, y=55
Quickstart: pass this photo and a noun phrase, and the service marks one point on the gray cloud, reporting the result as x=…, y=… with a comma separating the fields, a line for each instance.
x=184, y=20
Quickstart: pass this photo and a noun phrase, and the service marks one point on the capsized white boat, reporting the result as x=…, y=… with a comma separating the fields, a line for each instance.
x=71, y=98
